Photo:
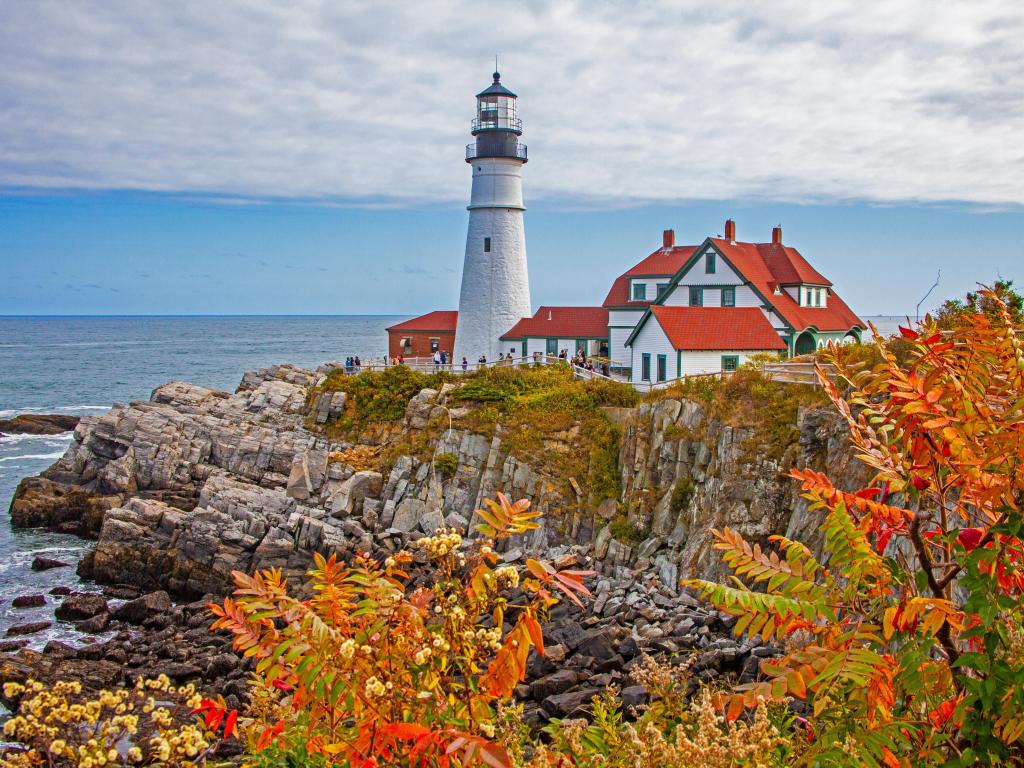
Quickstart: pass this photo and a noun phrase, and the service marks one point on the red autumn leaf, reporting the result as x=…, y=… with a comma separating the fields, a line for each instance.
x=281, y=685
x=969, y=538
x=907, y=333
x=919, y=482
x=230, y=722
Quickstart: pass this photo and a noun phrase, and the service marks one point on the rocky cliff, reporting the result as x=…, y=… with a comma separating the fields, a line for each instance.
x=184, y=488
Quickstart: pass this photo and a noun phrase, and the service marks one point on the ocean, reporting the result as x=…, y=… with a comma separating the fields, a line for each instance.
x=83, y=365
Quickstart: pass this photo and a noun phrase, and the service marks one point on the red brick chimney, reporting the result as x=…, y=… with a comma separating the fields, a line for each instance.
x=777, y=235
x=730, y=230
x=668, y=238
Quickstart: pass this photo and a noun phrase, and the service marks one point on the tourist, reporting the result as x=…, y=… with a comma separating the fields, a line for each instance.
x=357, y=363
x=465, y=365
x=437, y=360
x=444, y=358
x=481, y=361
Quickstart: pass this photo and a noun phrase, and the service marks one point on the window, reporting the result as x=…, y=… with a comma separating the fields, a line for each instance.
x=552, y=347
x=728, y=297
x=645, y=367
x=696, y=296
x=661, y=288
x=524, y=349
x=639, y=291
x=487, y=245
x=709, y=262
x=730, y=363
x=435, y=345
x=662, y=368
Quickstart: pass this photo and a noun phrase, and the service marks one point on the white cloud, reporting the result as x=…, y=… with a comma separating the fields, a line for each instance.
x=622, y=102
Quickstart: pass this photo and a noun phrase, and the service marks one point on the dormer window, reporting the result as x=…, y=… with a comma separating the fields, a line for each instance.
x=639, y=291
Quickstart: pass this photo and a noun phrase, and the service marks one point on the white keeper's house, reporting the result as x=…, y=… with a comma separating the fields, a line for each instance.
x=719, y=281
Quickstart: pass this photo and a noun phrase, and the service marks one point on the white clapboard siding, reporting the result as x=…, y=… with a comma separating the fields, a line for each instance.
x=652, y=340
x=624, y=317
x=617, y=349
x=710, y=361
x=680, y=296
x=723, y=274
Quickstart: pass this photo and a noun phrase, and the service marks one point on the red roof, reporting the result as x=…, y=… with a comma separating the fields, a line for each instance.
x=664, y=261
x=718, y=328
x=767, y=265
x=442, y=321
x=566, y=322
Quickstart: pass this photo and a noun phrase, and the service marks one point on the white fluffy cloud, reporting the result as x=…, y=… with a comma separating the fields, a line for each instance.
x=623, y=102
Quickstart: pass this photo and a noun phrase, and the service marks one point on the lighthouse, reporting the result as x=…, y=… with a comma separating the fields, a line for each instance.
x=495, y=287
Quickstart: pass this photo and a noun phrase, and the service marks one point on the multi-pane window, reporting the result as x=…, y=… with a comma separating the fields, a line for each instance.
x=728, y=297
x=709, y=262
x=639, y=291
x=662, y=367
x=552, y=346
x=696, y=296
x=661, y=288
x=435, y=344
x=730, y=363
x=645, y=367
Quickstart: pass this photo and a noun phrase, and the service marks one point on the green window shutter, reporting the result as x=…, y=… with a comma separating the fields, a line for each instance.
x=696, y=296
x=728, y=297
x=730, y=363
x=645, y=367
x=709, y=262
x=662, y=367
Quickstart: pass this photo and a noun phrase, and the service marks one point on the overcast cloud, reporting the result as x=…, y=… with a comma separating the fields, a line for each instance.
x=622, y=102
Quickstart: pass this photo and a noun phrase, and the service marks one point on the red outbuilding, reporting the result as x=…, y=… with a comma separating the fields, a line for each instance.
x=424, y=335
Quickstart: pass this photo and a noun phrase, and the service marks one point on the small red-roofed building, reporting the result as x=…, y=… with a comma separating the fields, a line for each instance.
x=424, y=335
x=674, y=342
x=552, y=330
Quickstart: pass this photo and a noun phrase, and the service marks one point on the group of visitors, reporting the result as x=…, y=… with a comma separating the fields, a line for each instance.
x=353, y=364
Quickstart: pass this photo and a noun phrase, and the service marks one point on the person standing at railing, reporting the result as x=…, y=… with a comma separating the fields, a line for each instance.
x=465, y=365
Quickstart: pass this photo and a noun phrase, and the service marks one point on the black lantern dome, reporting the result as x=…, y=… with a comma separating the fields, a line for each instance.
x=496, y=126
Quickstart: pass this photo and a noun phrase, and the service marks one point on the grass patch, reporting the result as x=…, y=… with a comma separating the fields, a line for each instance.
x=377, y=397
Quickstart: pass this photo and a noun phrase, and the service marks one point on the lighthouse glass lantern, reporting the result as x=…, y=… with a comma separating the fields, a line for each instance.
x=496, y=126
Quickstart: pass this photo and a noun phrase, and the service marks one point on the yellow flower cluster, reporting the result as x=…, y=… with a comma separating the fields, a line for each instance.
x=440, y=544
x=507, y=577
x=56, y=725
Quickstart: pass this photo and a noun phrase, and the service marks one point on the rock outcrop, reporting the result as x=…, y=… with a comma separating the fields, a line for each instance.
x=38, y=424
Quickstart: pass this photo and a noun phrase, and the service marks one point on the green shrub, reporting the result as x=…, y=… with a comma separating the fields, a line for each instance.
x=447, y=464
x=625, y=531
x=681, y=495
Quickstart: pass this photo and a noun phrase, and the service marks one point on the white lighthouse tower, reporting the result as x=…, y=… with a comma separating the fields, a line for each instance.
x=495, y=287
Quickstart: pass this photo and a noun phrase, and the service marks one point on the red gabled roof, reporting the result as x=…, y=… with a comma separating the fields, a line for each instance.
x=566, y=322
x=442, y=321
x=664, y=261
x=717, y=328
x=768, y=265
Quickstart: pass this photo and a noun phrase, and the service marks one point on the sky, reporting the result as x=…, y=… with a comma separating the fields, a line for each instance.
x=307, y=157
